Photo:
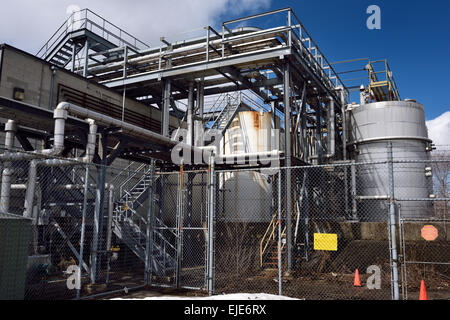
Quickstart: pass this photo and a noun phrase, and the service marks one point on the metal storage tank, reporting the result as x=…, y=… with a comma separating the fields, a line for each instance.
x=402, y=123
x=247, y=195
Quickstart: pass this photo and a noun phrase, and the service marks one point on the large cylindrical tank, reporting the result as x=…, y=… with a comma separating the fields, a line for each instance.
x=401, y=123
x=247, y=195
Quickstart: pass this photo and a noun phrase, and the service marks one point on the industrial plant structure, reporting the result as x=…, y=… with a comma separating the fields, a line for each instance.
x=194, y=136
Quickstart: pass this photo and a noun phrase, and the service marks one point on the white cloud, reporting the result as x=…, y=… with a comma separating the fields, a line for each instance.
x=28, y=24
x=439, y=129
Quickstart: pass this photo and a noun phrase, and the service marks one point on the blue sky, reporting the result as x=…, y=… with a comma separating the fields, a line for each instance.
x=414, y=37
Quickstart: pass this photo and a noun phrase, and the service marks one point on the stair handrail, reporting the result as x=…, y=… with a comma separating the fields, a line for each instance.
x=84, y=21
x=215, y=107
x=113, y=180
x=136, y=172
x=265, y=241
x=225, y=108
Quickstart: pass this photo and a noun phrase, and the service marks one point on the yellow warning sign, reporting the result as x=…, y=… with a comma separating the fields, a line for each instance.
x=325, y=241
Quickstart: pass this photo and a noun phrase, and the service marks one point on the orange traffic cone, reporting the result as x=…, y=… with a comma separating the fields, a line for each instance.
x=423, y=291
x=357, y=281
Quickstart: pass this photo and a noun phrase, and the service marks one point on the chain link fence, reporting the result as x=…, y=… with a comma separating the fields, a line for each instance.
x=348, y=230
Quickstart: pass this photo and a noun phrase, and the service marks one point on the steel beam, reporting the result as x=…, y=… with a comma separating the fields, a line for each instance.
x=288, y=153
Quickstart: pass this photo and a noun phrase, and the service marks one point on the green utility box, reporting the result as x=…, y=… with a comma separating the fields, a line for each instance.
x=14, y=239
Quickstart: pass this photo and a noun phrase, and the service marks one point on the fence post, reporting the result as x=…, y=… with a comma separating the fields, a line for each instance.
x=280, y=289
x=211, y=210
x=149, y=229
x=393, y=226
x=180, y=217
x=83, y=230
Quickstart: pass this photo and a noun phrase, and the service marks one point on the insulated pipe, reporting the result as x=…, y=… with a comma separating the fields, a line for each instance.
x=141, y=132
x=60, y=116
x=11, y=129
x=146, y=56
x=32, y=174
x=243, y=157
x=344, y=124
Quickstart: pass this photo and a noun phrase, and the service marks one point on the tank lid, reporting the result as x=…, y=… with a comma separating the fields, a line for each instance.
x=410, y=100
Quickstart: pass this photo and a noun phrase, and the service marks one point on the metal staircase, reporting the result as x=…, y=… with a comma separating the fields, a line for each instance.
x=226, y=116
x=62, y=55
x=129, y=226
x=83, y=27
x=268, y=251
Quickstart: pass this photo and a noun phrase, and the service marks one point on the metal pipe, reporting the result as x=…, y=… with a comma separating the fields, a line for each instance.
x=391, y=138
x=393, y=225
x=59, y=136
x=60, y=116
x=52, y=85
x=190, y=112
x=242, y=158
x=331, y=130
x=132, y=129
x=211, y=211
x=11, y=129
x=109, y=229
x=344, y=124
x=353, y=191
x=83, y=230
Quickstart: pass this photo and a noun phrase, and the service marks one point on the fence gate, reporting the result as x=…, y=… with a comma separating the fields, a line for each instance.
x=179, y=230
x=425, y=250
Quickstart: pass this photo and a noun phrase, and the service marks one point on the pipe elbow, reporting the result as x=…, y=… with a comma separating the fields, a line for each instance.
x=61, y=111
x=11, y=126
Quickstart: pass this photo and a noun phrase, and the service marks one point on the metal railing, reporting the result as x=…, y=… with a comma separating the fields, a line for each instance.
x=382, y=79
x=86, y=19
x=317, y=60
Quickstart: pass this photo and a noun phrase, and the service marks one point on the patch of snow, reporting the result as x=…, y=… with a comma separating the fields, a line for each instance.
x=234, y=296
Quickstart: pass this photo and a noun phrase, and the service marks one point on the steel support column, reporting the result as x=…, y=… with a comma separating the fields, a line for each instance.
x=199, y=129
x=165, y=114
x=86, y=59
x=288, y=153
